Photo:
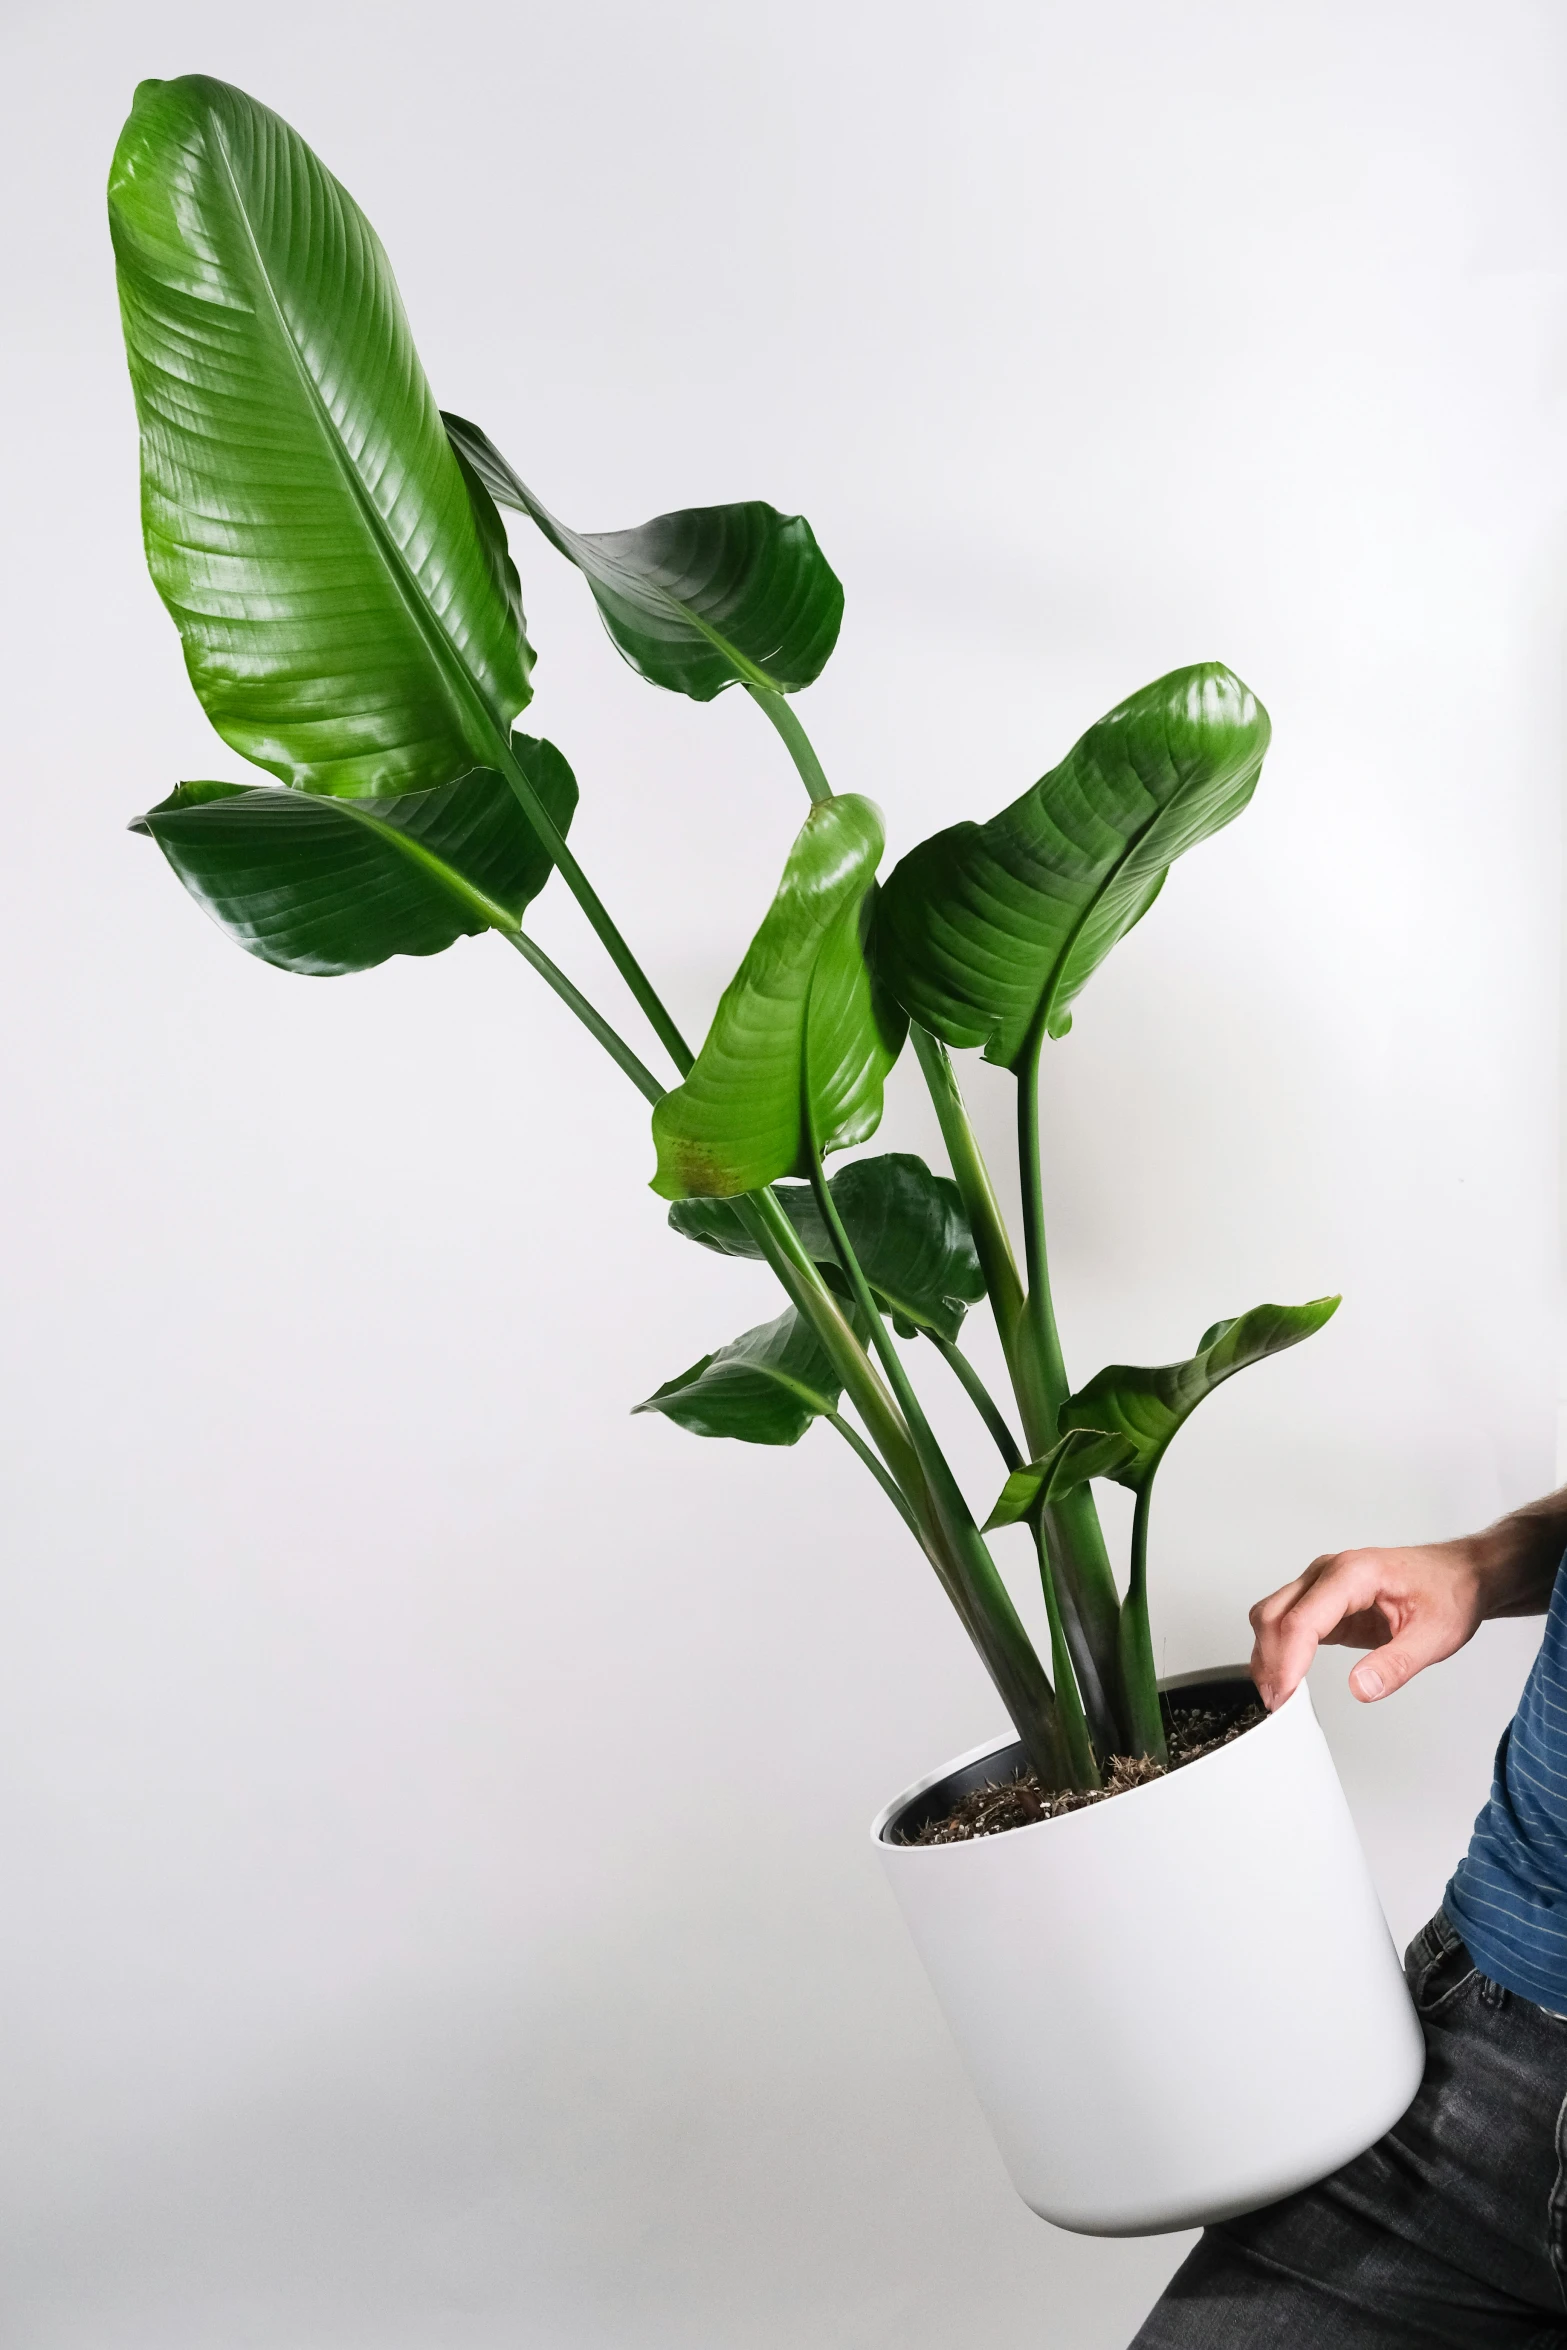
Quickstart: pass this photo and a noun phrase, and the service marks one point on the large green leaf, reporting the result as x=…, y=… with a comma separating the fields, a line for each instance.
x=986, y=930
x=324, y=886
x=707, y=597
x=1075, y=1457
x=764, y=1388
x=803, y=996
x=906, y=1226
x=1146, y=1407
x=339, y=578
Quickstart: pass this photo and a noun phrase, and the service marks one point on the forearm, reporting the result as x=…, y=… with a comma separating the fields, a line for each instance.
x=1516, y=1559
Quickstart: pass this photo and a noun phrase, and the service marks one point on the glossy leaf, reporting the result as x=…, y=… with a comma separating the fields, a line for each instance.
x=906, y=1226
x=697, y=600
x=765, y=1388
x=1148, y=1406
x=349, y=613
x=325, y=886
x=986, y=930
x=803, y=995
x=1080, y=1454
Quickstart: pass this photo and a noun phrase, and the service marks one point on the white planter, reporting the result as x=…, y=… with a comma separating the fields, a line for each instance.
x=1175, y=2005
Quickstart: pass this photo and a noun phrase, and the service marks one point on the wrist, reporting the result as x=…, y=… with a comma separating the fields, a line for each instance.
x=1514, y=1562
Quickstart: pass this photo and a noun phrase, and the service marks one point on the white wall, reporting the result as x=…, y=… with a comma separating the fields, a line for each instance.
x=433, y=1822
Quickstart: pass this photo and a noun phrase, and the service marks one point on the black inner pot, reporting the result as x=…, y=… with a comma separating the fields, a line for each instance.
x=1229, y=1690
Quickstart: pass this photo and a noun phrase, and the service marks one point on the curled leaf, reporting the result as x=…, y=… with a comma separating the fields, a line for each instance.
x=985, y=931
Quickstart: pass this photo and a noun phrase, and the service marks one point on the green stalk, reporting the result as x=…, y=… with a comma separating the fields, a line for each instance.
x=991, y=1238
x=1080, y=1564
x=1139, y=1674
x=801, y=1276
x=979, y=1396
x=796, y=741
x=1037, y=1324
x=992, y=1621
x=1074, y=1722
x=594, y=1022
x=863, y=1453
x=597, y=912
x=1072, y=1528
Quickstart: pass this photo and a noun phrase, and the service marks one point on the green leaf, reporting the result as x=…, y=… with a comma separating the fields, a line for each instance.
x=906, y=1226
x=708, y=597
x=803, y=993
x=340, y=579
x=986, y=930
x=765, y=1388
x=325, y=886
x=1080, y=1454
x=1147, y=1407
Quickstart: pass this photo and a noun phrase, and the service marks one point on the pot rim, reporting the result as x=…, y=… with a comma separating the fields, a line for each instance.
x=1088, y=1811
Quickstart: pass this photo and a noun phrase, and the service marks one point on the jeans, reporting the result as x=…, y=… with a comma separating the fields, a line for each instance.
x=1450, y=2233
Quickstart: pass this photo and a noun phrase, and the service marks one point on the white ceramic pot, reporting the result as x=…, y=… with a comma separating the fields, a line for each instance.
x=1178, y=2004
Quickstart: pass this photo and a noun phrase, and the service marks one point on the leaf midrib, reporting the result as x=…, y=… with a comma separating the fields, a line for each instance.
x=458, y=681
x=497, y=916
x=1047, y=1002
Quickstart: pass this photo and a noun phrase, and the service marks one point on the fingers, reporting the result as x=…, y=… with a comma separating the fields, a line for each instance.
x=1411, y=1608
x=1291, y=1622
x=1425, y=1640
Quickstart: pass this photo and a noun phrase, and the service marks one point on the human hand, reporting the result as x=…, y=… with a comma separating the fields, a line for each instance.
x=1411, y=1608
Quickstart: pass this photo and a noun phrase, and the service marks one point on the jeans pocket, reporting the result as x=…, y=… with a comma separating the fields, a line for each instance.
x=1437, y=1965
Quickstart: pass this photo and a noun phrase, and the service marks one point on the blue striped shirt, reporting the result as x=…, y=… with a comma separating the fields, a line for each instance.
x=1508, y=1896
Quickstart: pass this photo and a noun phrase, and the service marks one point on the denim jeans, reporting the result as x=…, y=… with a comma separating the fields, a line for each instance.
x=1450, y=2233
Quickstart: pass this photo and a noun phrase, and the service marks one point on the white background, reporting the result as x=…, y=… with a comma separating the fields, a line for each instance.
x=438, y=1908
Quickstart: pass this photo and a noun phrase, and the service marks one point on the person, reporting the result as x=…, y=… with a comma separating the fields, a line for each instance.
x=1452, y=2231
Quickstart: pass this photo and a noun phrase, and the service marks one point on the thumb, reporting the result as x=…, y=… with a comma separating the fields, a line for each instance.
x=1389, y=1667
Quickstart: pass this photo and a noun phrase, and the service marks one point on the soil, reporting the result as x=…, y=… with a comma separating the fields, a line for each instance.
x=1191, y=1731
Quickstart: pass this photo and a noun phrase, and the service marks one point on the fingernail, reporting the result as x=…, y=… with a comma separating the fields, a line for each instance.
x=1368, y=1681
x=1265, y=1692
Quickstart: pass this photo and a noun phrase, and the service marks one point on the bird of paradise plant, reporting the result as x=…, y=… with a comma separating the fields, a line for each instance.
x=330, y=547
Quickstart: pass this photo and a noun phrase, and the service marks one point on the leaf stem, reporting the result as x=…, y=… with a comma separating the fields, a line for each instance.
x=983, y=1599
x=796, y=741
x=1038, y=1317
x=597, y=912
x=801, y=1276
x=1090, y=1607
x=1139, y=1675
x=1074, y=1722
x=1003, y=1282
x=593, y=1021
x=888, y=1484
x=979, y=1396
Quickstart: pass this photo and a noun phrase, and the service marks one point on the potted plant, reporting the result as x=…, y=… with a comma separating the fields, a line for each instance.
x=331, y=549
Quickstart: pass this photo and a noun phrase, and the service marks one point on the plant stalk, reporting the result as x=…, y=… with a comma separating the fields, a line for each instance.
x=1139, y=1673
x=597, y=912
x=593, y=1021
x=991, y=1238
x=1074, y=1722
x=1074, y=1542
x=797, y=742
x=993, y=1622
x=1039, y=1336
x=979, y=1396
x=884, y=1479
